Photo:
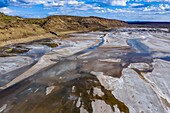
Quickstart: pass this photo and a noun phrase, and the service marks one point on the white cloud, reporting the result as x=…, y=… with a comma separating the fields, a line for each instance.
x=158, y=0
x=85, y=7
x=161, y=7
x=164, y=6
x=128, y=9
x=46, y=2
x=116, y=2
x=6, y=10
x=78, y=9
x=150, y=8
x=118, y=10
x=135, y=4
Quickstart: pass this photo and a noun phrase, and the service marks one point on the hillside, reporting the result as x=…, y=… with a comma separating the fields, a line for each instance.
x=17, y=29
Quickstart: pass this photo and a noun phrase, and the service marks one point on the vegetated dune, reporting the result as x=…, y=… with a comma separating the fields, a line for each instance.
x=72, y=23
x=15, y=29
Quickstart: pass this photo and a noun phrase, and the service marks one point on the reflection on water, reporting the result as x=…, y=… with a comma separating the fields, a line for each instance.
x=91, y=48
x=140, y=47
x=6, y=78
x=36, y=51
x=167, y=58
x=71, y=81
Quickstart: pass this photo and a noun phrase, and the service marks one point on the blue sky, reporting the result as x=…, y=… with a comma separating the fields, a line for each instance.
x=127, y=10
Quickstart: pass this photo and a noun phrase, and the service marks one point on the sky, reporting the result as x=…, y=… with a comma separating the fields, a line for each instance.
x=126, y=10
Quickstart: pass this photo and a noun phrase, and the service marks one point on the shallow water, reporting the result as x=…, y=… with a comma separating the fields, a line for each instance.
x=7, y=77
x=37, y=52
x=167, y=58
x=136, y=44
x=34, y=49
x=65, y=75
x=72, y=79
x=91, y=48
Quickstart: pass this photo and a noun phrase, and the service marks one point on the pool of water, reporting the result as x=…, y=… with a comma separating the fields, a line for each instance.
x=91, y=48
x=140, y=47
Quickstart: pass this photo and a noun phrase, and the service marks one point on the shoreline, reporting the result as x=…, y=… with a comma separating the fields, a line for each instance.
x=47, y=60
x=59, y=35
x=26, y=39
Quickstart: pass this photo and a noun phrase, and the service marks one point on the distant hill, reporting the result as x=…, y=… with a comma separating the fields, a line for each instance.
x=14, y=28
x=150, y=24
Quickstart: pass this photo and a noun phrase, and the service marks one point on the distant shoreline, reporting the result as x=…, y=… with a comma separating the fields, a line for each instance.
x=149, y=24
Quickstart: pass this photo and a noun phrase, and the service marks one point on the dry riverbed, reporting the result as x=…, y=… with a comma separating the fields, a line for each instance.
x=121, y=71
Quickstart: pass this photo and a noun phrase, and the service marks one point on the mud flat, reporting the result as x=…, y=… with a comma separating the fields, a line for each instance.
x=52, y=57
x=119, y=71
